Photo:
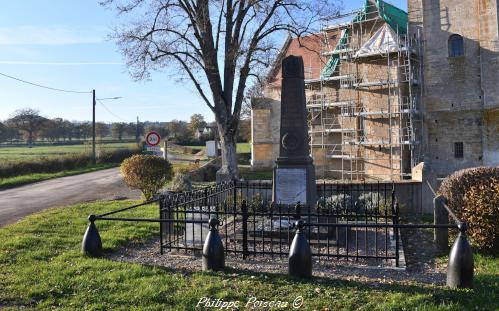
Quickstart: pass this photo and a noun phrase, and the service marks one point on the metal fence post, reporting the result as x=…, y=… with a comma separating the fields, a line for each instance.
x=91, y=244
x=244, y=210
x=392, y=194
x=234, y=195
x=300, y=256
x=213, y=250
x=160, y=204
x=441, y=217
x=460, y=267
x=297, y=211
x=396, y=232
x=205, y=201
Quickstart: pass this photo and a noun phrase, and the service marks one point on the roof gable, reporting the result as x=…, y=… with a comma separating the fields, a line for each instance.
x=310, y=48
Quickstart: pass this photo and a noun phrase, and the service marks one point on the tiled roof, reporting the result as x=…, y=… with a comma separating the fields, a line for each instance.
x=310, y=49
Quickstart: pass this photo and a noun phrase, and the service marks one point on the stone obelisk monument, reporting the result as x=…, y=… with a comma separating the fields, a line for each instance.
x=294, y=172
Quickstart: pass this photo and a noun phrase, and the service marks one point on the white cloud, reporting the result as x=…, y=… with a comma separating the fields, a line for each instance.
x=51, y=34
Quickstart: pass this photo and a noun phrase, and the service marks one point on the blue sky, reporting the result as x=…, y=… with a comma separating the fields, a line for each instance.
x=63, y=44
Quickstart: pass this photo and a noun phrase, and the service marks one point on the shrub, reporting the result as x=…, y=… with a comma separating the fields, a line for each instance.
x=336, y=203
x=117, y=155
x=370, y=202
x=147, y=173
x=481, y=211
x=189, y=168
x=44, y=165
x=181, y=182
x=256, y=202
x=456, y=185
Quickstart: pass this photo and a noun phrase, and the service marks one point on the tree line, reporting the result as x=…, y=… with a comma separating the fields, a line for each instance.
x=29, y=126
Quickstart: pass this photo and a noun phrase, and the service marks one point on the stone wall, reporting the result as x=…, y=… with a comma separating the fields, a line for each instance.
x=331, y=154
x=461, y=94
x=408, y=193
x=265, y=127
x=380, y=131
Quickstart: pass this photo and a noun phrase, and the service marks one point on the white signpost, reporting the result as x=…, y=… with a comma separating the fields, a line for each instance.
x=211, y=148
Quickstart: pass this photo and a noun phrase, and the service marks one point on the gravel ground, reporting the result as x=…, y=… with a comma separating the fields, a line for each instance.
x=148, y=254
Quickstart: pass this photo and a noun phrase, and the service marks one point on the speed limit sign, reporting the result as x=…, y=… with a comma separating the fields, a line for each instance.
x=153, y=139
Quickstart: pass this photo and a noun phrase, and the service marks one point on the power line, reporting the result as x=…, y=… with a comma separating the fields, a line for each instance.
x=43, y=86
x=110, y=112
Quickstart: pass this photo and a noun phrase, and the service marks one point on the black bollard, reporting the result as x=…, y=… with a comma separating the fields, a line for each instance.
x=213, y=249
x=91, y=244
x=460, y=267
x=300, y=256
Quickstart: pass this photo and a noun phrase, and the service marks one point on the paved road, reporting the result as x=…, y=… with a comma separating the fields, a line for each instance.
x=101, y=185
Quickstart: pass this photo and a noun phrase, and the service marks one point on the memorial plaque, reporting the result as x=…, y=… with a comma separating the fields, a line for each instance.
x=290, y=185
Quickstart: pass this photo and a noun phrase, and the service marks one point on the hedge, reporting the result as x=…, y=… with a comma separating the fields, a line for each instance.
x=52, y=165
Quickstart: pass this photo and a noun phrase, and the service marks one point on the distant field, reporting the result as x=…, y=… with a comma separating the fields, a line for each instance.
x=13, y=154
x=243, y=147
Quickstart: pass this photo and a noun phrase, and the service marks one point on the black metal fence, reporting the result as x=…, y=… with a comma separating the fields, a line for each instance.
x=350, y=221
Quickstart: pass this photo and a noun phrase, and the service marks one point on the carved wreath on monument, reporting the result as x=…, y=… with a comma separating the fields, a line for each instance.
x=290, y=142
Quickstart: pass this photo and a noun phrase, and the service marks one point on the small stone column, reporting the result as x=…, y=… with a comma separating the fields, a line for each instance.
x=165, y=149
x=440, y=217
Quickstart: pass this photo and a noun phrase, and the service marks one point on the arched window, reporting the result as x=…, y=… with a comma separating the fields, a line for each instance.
x=456, y=46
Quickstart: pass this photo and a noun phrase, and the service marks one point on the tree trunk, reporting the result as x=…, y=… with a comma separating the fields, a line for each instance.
x=30, y=139
x=229, y=170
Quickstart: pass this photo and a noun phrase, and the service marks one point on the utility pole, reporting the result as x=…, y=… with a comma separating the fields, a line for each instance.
x=93, y=128
x=137, y=132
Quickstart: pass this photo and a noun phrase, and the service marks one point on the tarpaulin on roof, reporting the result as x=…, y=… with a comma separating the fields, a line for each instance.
x=394, y=16
x=334, y=60
x=383, y=41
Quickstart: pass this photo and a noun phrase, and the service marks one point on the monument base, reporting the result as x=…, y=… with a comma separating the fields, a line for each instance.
x=294, y=181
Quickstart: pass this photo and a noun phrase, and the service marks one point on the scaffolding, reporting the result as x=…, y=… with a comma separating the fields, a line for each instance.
x=363, y=110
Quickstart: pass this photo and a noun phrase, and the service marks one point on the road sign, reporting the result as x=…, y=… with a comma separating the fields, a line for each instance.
x=155, y=149
x=153, y=139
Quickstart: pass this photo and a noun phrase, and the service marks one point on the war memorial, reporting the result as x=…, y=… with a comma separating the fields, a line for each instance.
x=293, y=217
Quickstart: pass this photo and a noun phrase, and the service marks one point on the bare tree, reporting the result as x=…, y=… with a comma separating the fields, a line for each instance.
x=3, y=132
x=216, y=44
x=27, y=121
x=159, y=128
x=8, y=133
x=118, y=129
x=101, y=129
x=254, y=91
x=178, y=130
x=50, y=130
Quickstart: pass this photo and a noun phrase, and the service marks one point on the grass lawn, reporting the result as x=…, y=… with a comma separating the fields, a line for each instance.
x=41, y=267
x=246, y=173
x=13, y=154
x=16, y=181
x=241, y=147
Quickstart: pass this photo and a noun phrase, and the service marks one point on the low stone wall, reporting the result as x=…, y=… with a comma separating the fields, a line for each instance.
x=207, y=172
x=408, y=193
